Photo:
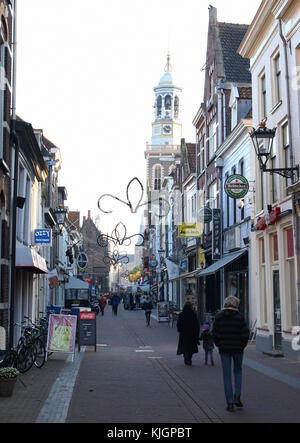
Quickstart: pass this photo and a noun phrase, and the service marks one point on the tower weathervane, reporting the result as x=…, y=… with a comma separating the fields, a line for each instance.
x=168, y=67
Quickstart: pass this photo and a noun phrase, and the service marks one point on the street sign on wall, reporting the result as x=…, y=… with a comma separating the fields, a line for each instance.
x=236, y=186
x=43, y=237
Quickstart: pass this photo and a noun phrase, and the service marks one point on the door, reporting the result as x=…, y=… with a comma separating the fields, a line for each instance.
x=277, y=312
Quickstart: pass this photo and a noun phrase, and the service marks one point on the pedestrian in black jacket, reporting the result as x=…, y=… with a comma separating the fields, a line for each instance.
x=208, y=343
x=189, y=329
x=231, y=334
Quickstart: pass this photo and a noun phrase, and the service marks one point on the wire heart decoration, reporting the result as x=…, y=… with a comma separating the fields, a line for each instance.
x=114, y=258
x=119, y=237
x=135, y=204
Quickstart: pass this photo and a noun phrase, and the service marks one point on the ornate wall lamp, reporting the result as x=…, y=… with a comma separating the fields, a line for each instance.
x=262, y=139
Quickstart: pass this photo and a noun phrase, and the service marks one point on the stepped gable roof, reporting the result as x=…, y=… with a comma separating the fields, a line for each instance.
x=237, y=68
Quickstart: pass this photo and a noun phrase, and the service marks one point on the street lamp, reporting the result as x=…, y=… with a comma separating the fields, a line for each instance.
x=262, y=139
x=60, y=214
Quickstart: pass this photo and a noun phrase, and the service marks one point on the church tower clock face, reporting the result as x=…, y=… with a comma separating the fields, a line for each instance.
x=167, y=129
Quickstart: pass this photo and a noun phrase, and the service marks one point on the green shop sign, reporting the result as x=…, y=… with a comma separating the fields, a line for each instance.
x=236, y=186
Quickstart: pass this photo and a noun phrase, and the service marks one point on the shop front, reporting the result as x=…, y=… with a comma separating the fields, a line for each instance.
x=229, y=272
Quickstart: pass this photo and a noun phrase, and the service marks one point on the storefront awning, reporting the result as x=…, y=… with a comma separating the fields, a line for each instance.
x=76, y=283
x=173, y=269
x=29, y=260
x=226, y=260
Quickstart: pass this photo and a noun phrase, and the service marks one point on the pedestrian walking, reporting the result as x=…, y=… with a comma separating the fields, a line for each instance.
x=189, y=329
x=208, y=343
x=102, y=304
x=115, y=301
x=147, y=306
x=231, y=334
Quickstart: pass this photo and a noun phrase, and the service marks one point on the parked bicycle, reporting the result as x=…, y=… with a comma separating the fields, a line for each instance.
x=21, y=357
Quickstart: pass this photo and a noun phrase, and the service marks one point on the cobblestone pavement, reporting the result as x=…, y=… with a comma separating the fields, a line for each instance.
x=136, y=377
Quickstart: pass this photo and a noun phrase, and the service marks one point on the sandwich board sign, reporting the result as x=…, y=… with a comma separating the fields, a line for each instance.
x=61, y=334
x=87, y=335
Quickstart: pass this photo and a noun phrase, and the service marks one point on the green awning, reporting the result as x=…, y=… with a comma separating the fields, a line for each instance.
x=220, y=264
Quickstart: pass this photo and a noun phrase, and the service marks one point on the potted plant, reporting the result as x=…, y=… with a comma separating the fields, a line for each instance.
x=8, y=378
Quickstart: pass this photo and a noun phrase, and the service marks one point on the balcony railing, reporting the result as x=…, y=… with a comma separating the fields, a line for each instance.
x=163, y=148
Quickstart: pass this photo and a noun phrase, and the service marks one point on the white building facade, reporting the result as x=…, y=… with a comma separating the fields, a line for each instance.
x=272, y=44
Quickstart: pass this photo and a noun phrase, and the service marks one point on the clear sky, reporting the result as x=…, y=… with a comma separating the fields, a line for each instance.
x=86, y=72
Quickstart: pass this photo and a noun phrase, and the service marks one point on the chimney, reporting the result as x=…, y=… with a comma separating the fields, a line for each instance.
x=213, y=15
x=89, y=214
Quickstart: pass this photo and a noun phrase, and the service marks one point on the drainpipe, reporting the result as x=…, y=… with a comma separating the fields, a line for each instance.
x=15, y=162
x=296, y=220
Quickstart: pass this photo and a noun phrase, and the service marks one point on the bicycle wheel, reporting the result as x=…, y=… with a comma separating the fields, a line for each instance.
x=25, y=359
x=10, y=360
x=40, y=353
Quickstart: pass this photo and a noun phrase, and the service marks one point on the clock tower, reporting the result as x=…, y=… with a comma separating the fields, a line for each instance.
x=164, y=149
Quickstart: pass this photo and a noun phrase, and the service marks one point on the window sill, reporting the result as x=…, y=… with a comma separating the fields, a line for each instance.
x=276, y=107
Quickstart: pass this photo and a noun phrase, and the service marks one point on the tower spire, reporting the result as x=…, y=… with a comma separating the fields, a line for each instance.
x=168, y=67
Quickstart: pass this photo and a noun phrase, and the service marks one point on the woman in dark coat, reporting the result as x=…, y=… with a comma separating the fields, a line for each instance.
x=189, y=330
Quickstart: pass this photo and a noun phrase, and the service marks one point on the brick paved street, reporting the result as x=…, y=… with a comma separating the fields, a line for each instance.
x=136, y=377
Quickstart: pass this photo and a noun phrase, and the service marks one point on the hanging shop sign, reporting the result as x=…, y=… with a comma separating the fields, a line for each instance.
x=190, y=230
x=216, y=235
x=82, y=261
x=153, y=262
x=43, y=237
x=61, y=334
x=236, y=186
x=205, y=215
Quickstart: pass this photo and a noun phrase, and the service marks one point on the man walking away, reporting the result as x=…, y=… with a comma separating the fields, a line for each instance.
x=115, y=301
x=231, y=334
x=147, y=306
x=189, y=329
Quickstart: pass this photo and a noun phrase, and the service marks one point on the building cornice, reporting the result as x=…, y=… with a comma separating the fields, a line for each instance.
x=257, y=27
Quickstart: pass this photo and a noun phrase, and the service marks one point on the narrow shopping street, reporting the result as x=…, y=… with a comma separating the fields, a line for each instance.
x=136, y=377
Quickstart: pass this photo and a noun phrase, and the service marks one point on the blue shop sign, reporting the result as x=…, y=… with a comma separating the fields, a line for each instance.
x=43, y=237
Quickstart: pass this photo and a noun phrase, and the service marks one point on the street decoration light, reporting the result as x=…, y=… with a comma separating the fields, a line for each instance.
x=135, y=199
x=262, y=139
x=119, y=237
x=115, y=257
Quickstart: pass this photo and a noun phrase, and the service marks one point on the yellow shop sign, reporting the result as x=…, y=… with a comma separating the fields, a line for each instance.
x=190, y=230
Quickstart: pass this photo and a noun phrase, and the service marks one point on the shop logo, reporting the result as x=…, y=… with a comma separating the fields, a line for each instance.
x=236, y=186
